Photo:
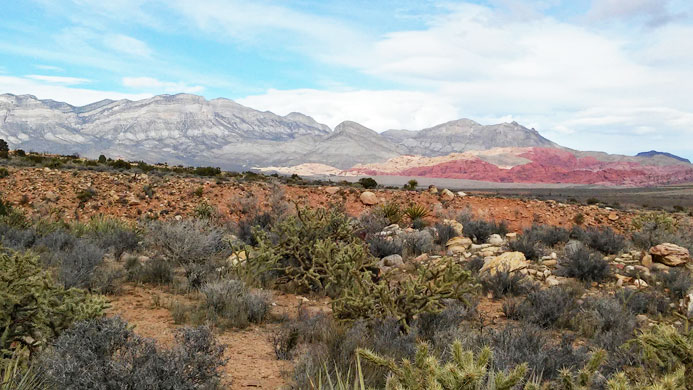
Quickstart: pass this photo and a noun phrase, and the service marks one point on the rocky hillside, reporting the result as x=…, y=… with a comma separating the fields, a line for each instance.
x=188, y=129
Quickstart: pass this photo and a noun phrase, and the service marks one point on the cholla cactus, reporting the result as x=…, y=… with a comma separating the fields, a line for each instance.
x=404, y=296
x=464, y=371
x=33, y=308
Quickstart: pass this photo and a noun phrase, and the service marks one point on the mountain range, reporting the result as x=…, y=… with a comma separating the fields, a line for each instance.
x=190, y=130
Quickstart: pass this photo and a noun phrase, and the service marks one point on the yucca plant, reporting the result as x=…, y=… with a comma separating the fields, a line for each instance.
x=339, y=381
x=416, y=211
x=392, y=212
x=14, y=375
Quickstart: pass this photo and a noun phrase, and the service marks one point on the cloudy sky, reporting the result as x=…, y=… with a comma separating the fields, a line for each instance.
x=612, y=75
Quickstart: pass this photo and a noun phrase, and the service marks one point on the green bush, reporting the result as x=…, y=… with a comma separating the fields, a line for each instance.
x=4, y=172
x=33, y=308
x=368, y=182
x=229, y=303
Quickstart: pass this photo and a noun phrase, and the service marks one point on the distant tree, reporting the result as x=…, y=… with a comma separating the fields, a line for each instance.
x=102, y=159
x=20, y=152
x=411, y=185
x=368, y=182
x=4, y=149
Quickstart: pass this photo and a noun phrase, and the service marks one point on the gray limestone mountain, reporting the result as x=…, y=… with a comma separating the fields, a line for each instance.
x=188, y=129
x=464, y=135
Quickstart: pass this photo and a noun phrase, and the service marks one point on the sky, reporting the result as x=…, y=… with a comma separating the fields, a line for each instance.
x=608, y=75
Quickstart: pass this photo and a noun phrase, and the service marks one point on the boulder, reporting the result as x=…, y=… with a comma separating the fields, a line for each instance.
x=459, y=241
x=508, y=261
x=459, y=229
x=456, y=250
x=368, y=198
x=495, y=239
x=237, y=258
x=432, y=189
x=447, y=194
x=670, y=254
x=332, y=190
x=392, y=261
x=646, y=260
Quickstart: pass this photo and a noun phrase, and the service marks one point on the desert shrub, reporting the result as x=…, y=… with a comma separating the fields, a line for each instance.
x=120, y=164
x=392, y=212
x=33, y=308
x=441, y=329
x=549, y=307
x=582, y=264
x=419, y=223
x=12, y=216
x=516, y=344
x=368, y=182
x=105, y=353
x=4, y=172
x=677, y=281
x=474, y=264
x=605, y=321
x=426, y=371
x=109, y=234
x=416, y=211
x=528, y=246
x=229, y=303
x=504, y=283
x=592, y=201
x=314, y=250
x=381, y=246
x=245, y=226
x=372, y=223
x=444, y=233
x=643, y=302
x=547, y=235
x=154, y=271
x=579, y=219
x=404, y=298
x=411, y=185
x=190, y=243
x=207, y=171
x=418, y=242
x=77, y=264
x=480, y=230
x=16, y=238
x=603, y=239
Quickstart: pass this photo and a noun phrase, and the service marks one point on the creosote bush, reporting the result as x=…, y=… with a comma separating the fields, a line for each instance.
x=546, y=308
x=603, y=239
x=229, y=303
x=583, y=264
x=105, y=353
x=528, y=246
x=504, y=283
x=480, y=230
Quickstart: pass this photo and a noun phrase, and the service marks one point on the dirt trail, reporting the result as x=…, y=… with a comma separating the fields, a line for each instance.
x=252, y=363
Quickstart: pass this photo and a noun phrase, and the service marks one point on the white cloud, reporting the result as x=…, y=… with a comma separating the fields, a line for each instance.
x=378, y=110
x=654, y=12
x=74, y=96
x=58, y=79
x=152, y=84
x=51, y=68
x=127, y=45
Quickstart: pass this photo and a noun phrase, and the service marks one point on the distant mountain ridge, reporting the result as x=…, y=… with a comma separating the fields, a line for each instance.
x=653, y=153
x=188, y=129
x=191, y=130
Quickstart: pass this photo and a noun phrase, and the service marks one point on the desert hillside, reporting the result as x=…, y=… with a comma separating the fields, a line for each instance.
x=275, y=282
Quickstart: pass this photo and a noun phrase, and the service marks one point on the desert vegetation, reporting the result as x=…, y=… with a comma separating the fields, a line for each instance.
x=404, y=294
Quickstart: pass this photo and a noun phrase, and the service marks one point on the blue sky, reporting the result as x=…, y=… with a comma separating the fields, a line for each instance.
x=612, y=75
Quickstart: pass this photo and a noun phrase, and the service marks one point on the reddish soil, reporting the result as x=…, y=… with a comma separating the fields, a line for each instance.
x=549, y=165
x=46, y=193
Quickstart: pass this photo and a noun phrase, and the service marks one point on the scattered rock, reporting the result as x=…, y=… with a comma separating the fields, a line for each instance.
x=670, y=254
x=432, y=189
x=459, y=229
x=508, y=261
x=447, y=194
x=461, y=194
x=552, y=280
x=332, y=190
x=368, y=198
x=237, y=258
x=646, y=260
x=613, y=217
x=51, y=196
x=511, y=236
x=389, y=262
x=459, y=241
x=495, y=239
x=658, y=267
x=550, y=263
